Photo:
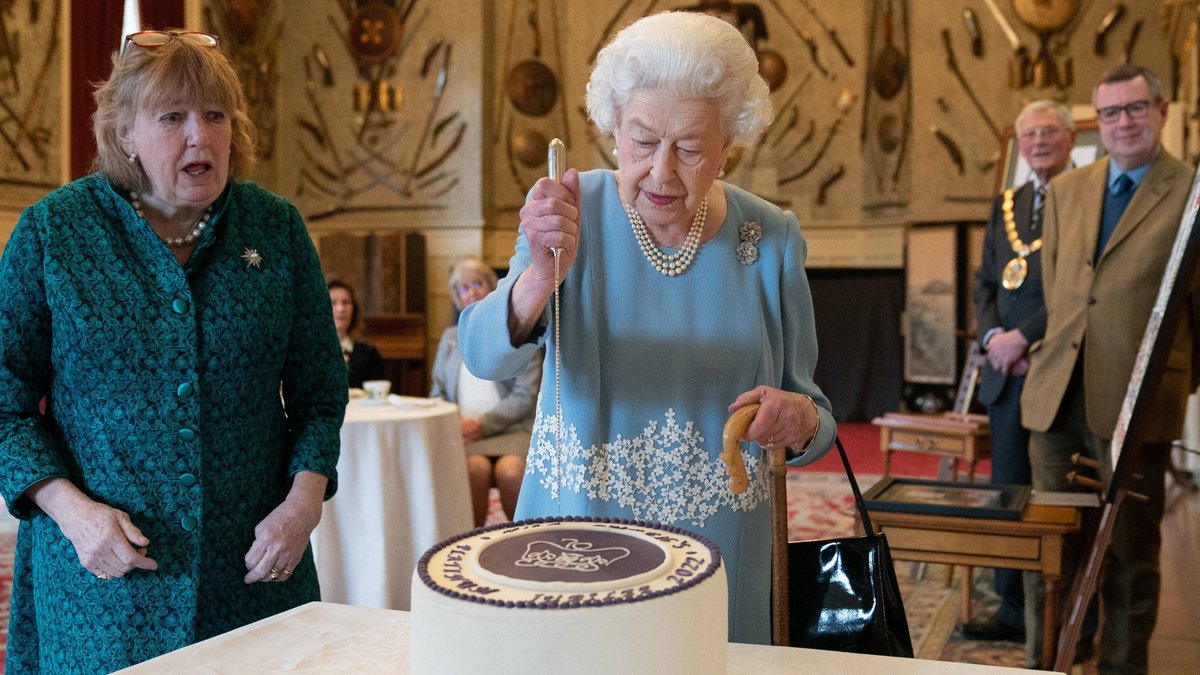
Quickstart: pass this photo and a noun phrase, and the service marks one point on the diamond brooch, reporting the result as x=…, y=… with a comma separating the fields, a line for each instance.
x=749, y=233
x=252, y=258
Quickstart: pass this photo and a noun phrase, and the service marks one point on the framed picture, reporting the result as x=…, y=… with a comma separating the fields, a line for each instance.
x=964, y=500
x=1014, y=170
x=930, y=346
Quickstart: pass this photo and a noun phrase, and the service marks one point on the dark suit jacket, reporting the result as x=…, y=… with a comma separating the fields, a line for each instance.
x=995, y=307
x=365, y=364
x=1102, y=306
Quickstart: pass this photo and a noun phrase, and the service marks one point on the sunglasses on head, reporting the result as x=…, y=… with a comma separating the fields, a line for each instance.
x=149, y=39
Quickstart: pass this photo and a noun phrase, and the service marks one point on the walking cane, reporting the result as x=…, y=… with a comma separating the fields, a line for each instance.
x=735, y=428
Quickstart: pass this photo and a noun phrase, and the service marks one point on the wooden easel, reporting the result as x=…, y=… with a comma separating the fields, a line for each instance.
x=1126, y=440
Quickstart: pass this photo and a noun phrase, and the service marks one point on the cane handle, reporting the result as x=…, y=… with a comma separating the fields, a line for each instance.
x=735, y=429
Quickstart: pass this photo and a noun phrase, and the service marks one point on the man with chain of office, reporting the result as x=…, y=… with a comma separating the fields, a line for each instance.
x=1011, y=315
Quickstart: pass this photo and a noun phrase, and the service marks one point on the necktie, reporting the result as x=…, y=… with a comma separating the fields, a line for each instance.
x=1115, y=200
x=1036, y=222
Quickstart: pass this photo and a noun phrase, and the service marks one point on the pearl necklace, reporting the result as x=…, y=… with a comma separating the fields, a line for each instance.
x=178, y=242
x=673, y=264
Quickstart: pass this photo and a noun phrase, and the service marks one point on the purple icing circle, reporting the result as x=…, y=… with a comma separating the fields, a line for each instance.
x=572, y=555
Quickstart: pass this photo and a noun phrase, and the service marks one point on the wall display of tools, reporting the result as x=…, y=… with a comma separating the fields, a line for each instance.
x=378, y=109
x=31, y=101
x=808, y=55
x=885, y=135
x=975, y=73
x=250, y=31
x=529, y=107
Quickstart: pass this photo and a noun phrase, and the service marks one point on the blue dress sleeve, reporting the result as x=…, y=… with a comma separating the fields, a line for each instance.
x=800, y=336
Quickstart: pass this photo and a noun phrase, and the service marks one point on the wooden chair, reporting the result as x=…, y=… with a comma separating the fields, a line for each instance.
x=956, y=435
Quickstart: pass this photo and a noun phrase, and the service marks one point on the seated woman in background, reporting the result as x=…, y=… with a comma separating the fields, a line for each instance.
x=363, y=361
x=497, y=417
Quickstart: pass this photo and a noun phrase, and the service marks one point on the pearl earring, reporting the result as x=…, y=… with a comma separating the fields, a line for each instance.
x=132, y=158
x=616, y=152
x=721, y=172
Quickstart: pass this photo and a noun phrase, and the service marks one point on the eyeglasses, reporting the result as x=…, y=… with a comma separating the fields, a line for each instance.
x=1047, y=132
x=150, y=39
x=463, y=289
x=1136, y=110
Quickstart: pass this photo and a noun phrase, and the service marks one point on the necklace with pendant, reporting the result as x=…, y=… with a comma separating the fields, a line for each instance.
x=174, y=242
x=674, y=264
x=1017, y=268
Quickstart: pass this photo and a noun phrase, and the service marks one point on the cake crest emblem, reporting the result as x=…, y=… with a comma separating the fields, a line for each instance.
x=571, y=554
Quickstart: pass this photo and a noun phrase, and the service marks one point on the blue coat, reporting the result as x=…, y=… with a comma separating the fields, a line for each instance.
x=649, y=365
x=163, y=386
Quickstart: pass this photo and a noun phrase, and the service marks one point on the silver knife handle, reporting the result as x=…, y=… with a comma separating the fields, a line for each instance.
x=556, y=158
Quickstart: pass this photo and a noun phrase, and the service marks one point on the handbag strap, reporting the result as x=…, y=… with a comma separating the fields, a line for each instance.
x=858, y=498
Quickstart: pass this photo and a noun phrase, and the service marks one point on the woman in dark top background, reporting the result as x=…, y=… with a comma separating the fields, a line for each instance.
x=363, y=361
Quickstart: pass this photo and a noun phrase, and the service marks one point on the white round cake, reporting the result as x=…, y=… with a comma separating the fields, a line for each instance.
x=572, y=595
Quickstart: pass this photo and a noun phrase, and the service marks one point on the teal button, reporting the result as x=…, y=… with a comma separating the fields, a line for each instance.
x=180, y=306
x=185, y=390
x=189, y=523
x=187, y=480
x=187, y=435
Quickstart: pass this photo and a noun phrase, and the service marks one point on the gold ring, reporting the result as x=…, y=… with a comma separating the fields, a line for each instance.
x=103, y=576
x=771, y=441
x=285, y=571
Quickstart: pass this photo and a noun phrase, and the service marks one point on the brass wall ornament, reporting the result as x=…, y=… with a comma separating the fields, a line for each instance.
x=1047, y=17
x=532, y=88
x=374, y=34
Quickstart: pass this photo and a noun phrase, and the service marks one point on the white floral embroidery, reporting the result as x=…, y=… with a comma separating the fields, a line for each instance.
x=664, y=474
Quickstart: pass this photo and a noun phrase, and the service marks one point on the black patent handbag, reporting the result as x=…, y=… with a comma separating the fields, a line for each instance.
x=842, y=593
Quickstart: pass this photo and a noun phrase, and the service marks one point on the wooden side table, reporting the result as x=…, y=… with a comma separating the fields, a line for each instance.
x=959, y=436
x=1035, y=542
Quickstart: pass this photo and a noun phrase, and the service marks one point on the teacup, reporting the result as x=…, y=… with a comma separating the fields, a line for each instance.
x=377, y=390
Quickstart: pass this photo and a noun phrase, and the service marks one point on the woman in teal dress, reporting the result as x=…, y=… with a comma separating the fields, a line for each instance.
x=658, y=347
x=175, y=321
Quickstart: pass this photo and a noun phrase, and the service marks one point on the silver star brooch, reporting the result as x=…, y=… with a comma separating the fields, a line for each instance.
x=252, y=258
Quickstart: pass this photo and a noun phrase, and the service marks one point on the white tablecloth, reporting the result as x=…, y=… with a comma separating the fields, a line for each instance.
x=326, y=638
x=402, y=487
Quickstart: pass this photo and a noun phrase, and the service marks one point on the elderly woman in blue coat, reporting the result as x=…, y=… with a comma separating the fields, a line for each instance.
x=175, y=320
x=682, y=299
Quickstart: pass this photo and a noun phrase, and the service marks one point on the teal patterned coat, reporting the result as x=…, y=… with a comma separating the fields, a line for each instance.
x=163, y=387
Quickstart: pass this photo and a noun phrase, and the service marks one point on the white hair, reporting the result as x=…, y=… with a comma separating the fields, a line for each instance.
x=691, y=54
x=1061, y=111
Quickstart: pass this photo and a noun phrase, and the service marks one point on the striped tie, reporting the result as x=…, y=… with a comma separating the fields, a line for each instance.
x=1036, y=222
